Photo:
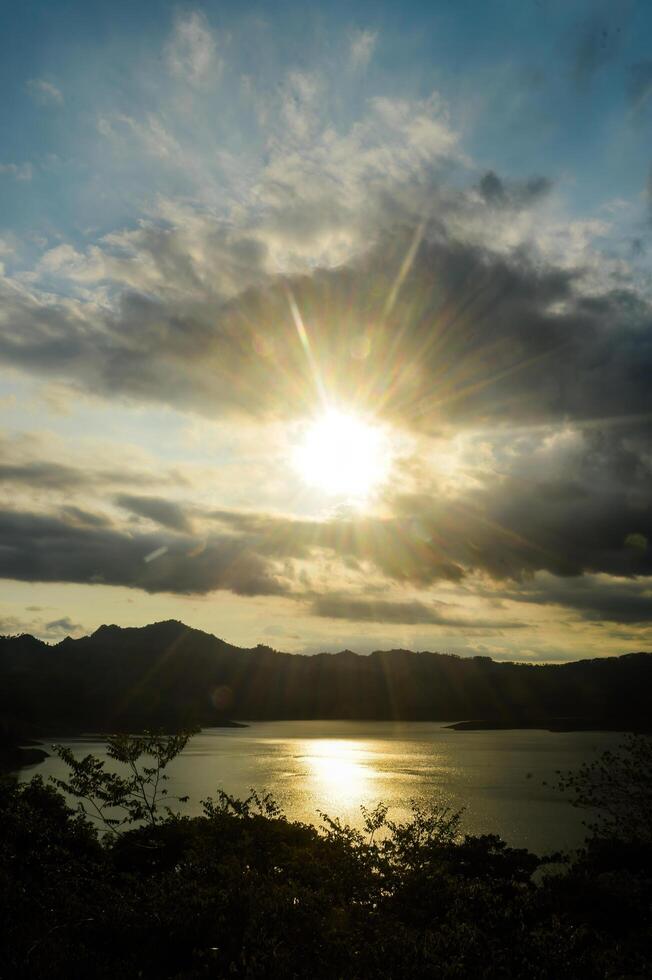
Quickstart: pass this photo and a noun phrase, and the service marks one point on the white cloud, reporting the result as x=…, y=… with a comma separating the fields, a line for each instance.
x=362, y=48
x=45, y=93
x=325, y=197
x=150, y=133
x=191, y=53
x=317, y=197
x=299, y=103
x=19, y=171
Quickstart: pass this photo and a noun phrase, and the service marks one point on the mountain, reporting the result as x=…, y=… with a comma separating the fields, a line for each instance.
x=167, y=675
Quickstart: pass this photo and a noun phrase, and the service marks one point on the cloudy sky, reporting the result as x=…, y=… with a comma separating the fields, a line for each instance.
x=329, y=326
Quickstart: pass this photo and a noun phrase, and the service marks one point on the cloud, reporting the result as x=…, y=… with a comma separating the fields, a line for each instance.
x=194, y=310
x=63, y=626
x=55, y=630
x=194, y=349
x=472, y=339
x=571, y=505
x=191, y=52
x=150, y=134
x=514, y=195
x=508, y=529
x=43, y=475
x=44, y=92
x=363, y=45
x=596, y=598
x=337, y=606
x=514, y=526
x=157, y=509
x=395, y=547
x=299, y=104
x=19, y=171
x=77, y=515
x=41, y=548
x=156, y=313
x=444, y=299
x=49, y=475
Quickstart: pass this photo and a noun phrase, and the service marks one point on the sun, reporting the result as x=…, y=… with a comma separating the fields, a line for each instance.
x=342, y=454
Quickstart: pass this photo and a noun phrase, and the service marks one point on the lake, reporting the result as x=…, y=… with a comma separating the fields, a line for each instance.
x=335, y=766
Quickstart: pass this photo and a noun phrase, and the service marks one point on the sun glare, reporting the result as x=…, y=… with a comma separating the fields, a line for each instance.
x=343, y=455
x=340, y=769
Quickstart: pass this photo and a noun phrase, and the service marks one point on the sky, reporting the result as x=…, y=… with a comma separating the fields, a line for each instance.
x=329, y=326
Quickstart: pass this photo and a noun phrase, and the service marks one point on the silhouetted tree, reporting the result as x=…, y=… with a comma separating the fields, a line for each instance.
x=242, y=892
x=139, y=795
x=617, y=786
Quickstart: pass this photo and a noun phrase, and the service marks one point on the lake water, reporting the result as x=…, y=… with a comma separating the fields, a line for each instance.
x=335, y=766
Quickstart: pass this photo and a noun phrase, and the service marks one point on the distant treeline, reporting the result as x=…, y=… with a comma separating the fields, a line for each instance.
x=169, y=676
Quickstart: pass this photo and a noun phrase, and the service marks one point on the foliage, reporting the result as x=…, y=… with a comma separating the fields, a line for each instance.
x=617, y=788
x=241, y=892
x=255, y=804
x=139, y=794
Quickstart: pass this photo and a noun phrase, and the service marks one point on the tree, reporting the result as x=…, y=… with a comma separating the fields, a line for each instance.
x=617, y=786
x=139, y=794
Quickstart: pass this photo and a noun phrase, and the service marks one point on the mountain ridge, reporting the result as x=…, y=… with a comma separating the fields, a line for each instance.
x=167, y=674
x=114, y=629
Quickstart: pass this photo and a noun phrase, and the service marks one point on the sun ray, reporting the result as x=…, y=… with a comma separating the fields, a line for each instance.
x=307, y=347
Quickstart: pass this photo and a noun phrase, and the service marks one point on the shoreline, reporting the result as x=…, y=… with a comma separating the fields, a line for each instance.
x=547, y=725
x=13, y=758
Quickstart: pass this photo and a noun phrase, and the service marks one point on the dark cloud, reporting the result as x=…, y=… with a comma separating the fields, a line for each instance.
x=568, y=514
x=51, y=475
x=471, y=335
x=157, y=509
x=508, y=528
x=589, y=512
x=398, y=547
x=337, y=606
x=56, y=629
x=514, y=527
x=64, y=625
x=38, y=548
x=77, y=515
x=43, y=475
x=473, y=339
x=593, y=599
x=513, y=194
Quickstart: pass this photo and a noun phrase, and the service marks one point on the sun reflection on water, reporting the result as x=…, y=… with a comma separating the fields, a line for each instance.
x=341, y=771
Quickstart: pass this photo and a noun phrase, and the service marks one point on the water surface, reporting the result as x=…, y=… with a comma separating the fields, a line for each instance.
x=335, y=766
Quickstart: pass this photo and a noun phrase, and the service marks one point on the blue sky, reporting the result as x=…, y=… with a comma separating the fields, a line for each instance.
x=238, y=237
x=538, y=87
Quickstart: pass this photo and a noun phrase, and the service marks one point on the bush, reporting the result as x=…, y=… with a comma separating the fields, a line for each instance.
x=243, y=892
x=617, y=788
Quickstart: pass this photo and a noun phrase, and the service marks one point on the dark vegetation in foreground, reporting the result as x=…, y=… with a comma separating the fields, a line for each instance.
x=243, y=892
x=14, y=756
x=171, y=677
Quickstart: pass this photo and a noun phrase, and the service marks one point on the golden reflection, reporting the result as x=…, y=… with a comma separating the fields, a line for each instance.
x=341, y=770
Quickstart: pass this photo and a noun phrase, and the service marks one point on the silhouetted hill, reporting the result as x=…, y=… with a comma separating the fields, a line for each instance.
x=168, y=675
